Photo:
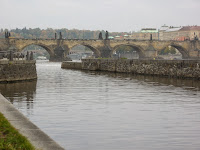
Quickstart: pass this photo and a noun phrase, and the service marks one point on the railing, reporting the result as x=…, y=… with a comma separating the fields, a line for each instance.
x=66, y=39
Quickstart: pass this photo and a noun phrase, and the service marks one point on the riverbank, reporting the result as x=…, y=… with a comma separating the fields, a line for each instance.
x=37, y=138
x=10, y=137
x=168, y=68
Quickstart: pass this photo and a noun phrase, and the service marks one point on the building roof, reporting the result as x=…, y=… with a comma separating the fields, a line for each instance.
x=185, y=28
x=149, y=30
x=190, y=28
x=173, y=29
x=111, y=37
x=169, y=28
x=164, y=28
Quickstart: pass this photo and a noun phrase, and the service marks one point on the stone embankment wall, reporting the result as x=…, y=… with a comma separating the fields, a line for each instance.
x=168, y=68
x=18, y=70
x=71, y=65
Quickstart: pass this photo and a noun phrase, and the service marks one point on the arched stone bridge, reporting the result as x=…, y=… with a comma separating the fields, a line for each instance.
x=58, y=49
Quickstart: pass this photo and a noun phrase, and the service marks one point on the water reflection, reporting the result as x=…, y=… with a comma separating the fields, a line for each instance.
x=188, y=84
x=20, y=92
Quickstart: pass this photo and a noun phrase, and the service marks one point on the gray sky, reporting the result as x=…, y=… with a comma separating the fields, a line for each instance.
x=111, y=15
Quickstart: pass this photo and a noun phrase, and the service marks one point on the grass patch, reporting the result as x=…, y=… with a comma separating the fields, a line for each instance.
x=10, y=139
x=123, y=58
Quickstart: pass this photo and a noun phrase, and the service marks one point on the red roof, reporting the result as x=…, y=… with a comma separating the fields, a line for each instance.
x=189, y=28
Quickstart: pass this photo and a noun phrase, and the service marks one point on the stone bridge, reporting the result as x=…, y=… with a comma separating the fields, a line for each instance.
x=60, y=48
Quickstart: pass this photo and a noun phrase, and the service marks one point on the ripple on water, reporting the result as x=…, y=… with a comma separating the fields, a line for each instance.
x=98, y=110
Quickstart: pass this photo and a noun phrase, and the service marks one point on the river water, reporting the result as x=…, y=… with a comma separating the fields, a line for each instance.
x=107, y=111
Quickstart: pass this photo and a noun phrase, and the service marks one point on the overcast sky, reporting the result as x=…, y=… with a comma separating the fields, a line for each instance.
x=111, y=15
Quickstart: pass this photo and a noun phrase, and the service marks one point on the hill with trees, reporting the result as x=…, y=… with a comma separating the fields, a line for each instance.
x=49, y=33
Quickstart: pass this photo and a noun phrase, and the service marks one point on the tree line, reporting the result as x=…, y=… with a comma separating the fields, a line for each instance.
x=49, y=33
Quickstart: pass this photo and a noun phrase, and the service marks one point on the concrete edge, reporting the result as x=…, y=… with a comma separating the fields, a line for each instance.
x=37, y=138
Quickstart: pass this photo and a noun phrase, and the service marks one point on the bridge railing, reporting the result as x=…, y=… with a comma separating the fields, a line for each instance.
x=127, y=39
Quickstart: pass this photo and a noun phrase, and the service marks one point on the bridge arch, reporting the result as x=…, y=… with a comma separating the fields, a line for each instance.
x=93, y=49
x=49, y=50
x=138, y=49
x=182, y=50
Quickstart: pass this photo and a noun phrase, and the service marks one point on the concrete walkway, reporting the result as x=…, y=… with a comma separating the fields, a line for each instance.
x=38, y=138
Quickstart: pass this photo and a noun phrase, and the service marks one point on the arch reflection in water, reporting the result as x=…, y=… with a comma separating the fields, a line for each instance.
x=19, y=92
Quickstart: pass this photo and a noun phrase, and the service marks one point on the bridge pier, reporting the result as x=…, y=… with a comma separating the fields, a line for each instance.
x=105, y=50
x=150, y=52
x=58, y=54
x=55, y=59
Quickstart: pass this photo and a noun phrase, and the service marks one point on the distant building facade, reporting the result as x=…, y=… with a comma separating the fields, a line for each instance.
x=168, y=33
x=122, y=37
x=145, y=34
x=179, y=33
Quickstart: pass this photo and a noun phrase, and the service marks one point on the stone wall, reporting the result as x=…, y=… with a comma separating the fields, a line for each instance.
x=19, y=70
x=71, y=65
x=168, y=68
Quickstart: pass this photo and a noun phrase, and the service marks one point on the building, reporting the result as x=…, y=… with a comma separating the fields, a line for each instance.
x=122, y=37
x=145, y=34
x=168, y=33
x=179, y=33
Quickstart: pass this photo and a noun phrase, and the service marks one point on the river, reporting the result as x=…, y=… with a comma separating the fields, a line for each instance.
x=84, y=110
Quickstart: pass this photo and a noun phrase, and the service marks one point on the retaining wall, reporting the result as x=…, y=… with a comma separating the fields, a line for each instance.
x=71, y=65
x=169, y=68
x=17, y=70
